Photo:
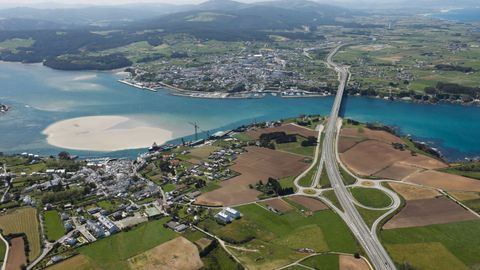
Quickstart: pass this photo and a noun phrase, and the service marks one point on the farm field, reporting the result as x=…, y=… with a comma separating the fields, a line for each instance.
x=444, y=181
x=327, y=262
x=308, y=202
x=423, y=212
x=254, y=165
x=470, y=199
x=16, y=255
x=411, y=192
x=266, y=240
x=23, y=220
x=278, y=204
x=371, y=153
x=219, y=259
x=296, y=147
x=371, y=197
x=178, y=253
x=113, y=252
x=442, y=246
x=78, y=262
x=53, y=225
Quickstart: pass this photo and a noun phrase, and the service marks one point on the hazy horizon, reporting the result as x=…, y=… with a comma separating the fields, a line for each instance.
x=84, y=3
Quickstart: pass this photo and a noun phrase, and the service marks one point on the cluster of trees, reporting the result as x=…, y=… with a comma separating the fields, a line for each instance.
x=52, y=43
x=79, y=62
x=446, y=67
x=278, y=137
x=60, y=195
x=310, y=141
x=273, y=188
x=425, y=148
x=453, y=88
x=469, y=167
x=388, y=129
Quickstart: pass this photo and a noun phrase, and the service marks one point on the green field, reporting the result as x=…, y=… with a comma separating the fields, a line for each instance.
x=369, y=216
x=168, y=187
x=324, y=180
x=3, y=249
x=277, y=237
x=445, y=246
x=307, y=179
x=14, y=43
x=330, y=195
x=219, y=259
x=347, y=178
x=371, y=197
x=23, y=220
x=113, y=252
x=324, y=262
x=243, y=137
x=287, y=182
x=296, y=147
x=53, y=225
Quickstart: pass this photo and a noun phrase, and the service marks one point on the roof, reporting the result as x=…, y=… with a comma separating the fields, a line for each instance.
x=232, y=211
x=152, y=211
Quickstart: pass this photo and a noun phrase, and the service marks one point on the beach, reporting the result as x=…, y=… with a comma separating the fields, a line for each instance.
x=104, y=133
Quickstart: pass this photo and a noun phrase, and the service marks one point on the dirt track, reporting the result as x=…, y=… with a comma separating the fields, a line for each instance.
x=427, y=212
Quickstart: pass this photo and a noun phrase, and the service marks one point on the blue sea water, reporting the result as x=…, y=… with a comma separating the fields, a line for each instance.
x=41, y=96
x=460, y=15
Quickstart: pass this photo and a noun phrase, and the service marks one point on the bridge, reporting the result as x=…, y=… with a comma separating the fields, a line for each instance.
x=379, y=257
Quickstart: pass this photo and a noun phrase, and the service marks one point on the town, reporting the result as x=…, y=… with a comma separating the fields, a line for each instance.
x=250, y=72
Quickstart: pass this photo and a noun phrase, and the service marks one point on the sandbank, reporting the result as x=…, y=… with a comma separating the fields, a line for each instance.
x=104, y=133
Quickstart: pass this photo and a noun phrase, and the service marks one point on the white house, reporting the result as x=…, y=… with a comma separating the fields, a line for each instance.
x=223, y=217
x=234, y=214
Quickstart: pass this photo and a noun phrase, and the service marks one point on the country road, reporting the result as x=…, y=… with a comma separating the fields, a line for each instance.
x=368, y=239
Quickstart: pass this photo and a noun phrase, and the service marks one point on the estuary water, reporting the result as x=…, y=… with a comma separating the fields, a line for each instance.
x=460, y=15
x=40, y=96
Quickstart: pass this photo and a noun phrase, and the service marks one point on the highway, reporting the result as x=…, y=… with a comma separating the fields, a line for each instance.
x=378, y=256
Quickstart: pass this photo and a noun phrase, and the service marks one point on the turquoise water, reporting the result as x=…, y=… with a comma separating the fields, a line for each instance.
x=41, y=96
x=460, y=15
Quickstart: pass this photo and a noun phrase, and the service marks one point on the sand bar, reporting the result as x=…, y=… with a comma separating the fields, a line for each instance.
x=104, y=133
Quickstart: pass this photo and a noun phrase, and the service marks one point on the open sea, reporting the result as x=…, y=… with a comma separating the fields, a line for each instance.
x=40, y=96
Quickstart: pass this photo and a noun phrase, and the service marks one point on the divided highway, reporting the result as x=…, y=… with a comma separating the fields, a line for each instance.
x=379, y=258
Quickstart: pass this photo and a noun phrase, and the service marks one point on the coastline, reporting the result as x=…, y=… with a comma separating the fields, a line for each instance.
x=281, y=93
x=104, y=133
